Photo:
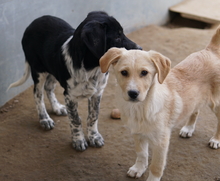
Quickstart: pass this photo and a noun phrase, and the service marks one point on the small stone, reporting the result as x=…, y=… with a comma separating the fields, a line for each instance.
x=115, y=114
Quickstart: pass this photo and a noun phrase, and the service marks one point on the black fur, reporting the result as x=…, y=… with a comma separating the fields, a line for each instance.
x=44, y=37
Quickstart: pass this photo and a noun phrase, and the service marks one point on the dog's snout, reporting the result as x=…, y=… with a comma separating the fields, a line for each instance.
x=139, y=47
x=133, y=94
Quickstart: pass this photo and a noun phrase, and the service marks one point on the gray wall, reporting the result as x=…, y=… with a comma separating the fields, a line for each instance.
x=16, y=15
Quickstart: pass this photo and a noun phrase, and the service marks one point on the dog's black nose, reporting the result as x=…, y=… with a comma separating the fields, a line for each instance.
x=139, y=47
x=133, y=94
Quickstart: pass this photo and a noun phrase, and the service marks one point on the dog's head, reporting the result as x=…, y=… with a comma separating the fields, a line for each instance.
x=101, y=32
x=135, y=70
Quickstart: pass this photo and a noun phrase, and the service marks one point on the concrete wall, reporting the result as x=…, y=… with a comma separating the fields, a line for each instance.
x=16, y=15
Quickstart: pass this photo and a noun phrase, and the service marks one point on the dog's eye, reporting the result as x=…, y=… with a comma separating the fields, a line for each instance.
x=144, y=73
x=124, y=73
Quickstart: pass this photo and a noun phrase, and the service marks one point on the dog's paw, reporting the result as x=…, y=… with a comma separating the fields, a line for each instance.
x=136, y=170
x=214, y=143
x=95, y=139
x=60, y=110
x=80, y=144
x=186, y=131
x=47, y=123
x=151, y=177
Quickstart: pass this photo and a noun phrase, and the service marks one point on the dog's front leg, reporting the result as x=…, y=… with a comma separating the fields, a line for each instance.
x=159, y=150
x=94, y=137
x=141, y=148
x=78, y=140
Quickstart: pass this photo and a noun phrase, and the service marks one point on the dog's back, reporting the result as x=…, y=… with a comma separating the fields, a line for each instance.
x=41, y=43
x=197, y=78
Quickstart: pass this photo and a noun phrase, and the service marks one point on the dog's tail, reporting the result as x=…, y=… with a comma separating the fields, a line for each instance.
x=215, y=41
x=22, y=79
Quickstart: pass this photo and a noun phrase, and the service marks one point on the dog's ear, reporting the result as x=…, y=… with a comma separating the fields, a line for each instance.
x=94, y=36
x=110, y=57
x=162, y=63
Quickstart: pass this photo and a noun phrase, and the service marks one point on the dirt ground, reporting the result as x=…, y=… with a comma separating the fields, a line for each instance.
x=28, y=153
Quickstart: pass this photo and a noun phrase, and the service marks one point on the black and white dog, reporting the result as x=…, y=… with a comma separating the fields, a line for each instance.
x=55, y=51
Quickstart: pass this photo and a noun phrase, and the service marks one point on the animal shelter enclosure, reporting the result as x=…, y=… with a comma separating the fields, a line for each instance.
x=28, y=152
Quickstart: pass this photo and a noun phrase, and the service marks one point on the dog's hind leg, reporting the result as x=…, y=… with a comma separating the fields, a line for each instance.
x=188, y=129
x=141, y=164
x=39, y=80
x=49, y=87
x=94, y=137
x=215, y=140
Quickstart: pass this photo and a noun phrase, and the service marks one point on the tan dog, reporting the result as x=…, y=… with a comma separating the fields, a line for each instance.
x=152, y=98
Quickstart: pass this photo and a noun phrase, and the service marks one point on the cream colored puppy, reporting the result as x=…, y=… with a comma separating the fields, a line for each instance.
x=151, y=98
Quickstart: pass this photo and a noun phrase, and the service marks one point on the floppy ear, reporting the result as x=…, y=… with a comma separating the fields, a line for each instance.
x=162, y=63
x=110, y=57
x=94, y=36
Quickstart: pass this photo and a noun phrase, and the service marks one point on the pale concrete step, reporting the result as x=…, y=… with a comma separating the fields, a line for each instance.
x=202, y=10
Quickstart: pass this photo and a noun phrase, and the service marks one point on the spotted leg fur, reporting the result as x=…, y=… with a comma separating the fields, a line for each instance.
x=94, y=137
x=78, y=139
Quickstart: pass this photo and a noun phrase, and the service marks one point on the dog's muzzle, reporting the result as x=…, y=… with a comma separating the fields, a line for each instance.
x=133, y=94
x=139, y=47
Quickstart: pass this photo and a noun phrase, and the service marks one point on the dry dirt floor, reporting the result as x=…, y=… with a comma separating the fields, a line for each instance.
x=28, y=153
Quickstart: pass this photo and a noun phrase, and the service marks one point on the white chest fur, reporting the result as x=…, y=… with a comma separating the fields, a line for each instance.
x=84, y=84
x=149, y=118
